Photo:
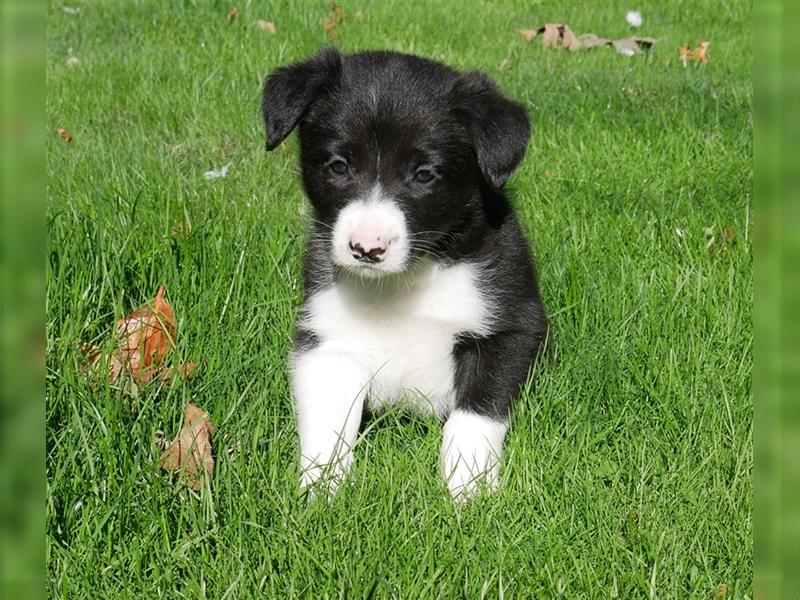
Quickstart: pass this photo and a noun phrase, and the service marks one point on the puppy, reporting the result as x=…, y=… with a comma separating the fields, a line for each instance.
x=419, y=287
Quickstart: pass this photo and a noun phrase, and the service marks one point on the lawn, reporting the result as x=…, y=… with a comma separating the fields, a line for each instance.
x=628, y=465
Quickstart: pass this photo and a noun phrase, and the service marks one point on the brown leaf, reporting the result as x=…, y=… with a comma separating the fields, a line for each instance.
x=233, y=14
x=686, y=55
x=723, y=591
x=568, y=39
x=590, y=40
x=337, y=10
x=147, y=335
x=701, y=52
x=728, y=235
x=267, y=26
x=329, y=25
x=65, y=134
x=529, y=34
x=190, y=451
x=550, y=37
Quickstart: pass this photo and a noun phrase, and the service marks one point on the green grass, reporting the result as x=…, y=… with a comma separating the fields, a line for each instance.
x=628, y=464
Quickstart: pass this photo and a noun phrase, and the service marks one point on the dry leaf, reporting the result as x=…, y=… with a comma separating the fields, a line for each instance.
x=555, y=35
x=701, y=52
x=329, y=25
x=65, y=134
x=190, y=451
x=337, y=10
x=627, y=46
x=147, y=335
x=267, y=26
x=233, y=14
x=590, y=40
x=728, y=234
x=723, y=591
x=686, y=55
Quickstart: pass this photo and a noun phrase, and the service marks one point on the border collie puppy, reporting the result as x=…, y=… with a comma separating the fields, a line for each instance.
x=419, y=287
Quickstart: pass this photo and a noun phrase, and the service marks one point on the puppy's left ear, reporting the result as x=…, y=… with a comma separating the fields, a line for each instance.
x=290, y=91
x=498, y=127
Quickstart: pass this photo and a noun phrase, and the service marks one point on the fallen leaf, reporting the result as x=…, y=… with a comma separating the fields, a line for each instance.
x=505, y=65
x=144, y=338
x=555, y=35
x=218, y=174
x=701, y=52
x=337, y=10
x=590, y=40
x=329, y=25
x=728, y=234
x=723, y=591
x=65, y=134
x=267, y=26
x=190, y=451
x=626, y=46
x=233, y=14
x=686, y=55
x=147, y=335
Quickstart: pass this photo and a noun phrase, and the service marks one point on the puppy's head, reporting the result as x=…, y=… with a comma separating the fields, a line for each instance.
x=395, y=150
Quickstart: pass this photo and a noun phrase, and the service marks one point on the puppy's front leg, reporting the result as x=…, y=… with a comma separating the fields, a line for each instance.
x=329, y=390
x=489, y=373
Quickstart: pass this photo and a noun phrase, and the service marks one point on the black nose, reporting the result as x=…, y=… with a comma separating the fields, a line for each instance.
x=373, y=255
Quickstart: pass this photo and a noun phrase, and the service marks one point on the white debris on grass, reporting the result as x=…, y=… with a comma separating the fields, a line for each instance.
x=634, y=18
x=222, y=172
x=71, y=10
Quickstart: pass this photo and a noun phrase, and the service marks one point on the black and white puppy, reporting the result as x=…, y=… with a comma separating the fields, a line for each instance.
x=419, y=287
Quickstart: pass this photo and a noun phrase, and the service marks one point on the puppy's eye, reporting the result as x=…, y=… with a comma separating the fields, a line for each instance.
x=338, y=166
x=424, y=176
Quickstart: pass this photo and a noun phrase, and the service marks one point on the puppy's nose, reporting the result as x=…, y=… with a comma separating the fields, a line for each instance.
x=371, y=250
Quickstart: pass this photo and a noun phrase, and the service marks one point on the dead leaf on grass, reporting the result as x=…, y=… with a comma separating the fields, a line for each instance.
x=555, y=35
x=233, y=14
x=143, y=340
x=699, y=54
x=65, y=134
x=560, y=35
x=190, y=451
x=267, y=26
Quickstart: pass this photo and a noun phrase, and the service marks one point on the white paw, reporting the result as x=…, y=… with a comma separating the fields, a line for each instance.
x=471, y=452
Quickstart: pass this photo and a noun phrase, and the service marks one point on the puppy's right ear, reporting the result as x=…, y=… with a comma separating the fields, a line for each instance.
x=289, y=92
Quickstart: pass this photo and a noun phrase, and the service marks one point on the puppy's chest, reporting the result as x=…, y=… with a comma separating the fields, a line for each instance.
x=403, y=337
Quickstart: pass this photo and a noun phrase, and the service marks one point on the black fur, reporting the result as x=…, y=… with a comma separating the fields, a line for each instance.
x=387, y=114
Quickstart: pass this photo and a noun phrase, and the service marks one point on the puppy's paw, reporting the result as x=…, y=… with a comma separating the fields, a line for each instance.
x=471, y=452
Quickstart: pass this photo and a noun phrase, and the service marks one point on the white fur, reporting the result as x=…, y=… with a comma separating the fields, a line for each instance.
x=382, y=215
x=471, y=451
x=391, y=344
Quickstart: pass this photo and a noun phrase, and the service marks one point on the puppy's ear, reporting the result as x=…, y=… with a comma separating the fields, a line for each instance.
x=498, y=127
x=289, y=92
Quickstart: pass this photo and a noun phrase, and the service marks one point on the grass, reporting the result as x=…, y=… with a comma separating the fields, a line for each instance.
x=628, y=465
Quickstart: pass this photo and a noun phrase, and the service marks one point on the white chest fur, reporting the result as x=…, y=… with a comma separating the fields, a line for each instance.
x=403, y=337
